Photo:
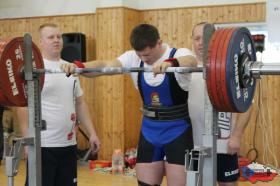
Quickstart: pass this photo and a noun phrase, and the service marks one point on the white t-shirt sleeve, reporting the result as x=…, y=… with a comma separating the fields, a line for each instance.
x=183, y=78
x=130, y=59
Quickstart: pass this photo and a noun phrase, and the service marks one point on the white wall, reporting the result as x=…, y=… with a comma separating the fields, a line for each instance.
x=31, y=8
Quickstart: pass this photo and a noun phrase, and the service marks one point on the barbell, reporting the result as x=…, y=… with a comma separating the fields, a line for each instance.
x=231, y=70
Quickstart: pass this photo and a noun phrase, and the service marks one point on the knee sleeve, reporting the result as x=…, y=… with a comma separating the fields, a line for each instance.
x=140, y=183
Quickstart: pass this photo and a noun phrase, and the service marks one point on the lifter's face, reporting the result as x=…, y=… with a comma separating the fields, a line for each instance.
x=198, y=40
x=151, y=55
x=51, y=42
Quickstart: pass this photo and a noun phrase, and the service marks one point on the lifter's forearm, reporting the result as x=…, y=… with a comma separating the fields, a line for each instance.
x=187, y=61
x=241, y=121
x=100, y=64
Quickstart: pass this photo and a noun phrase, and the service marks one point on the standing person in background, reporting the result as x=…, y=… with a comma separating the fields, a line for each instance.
x=10, y=122
x=227, y=164
x=166, y=131
x=62, y=106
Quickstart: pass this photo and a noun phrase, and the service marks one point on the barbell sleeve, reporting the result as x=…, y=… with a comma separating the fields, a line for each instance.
x=259, y=68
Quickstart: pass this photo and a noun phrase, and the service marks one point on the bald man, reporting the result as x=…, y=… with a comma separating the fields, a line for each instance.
x=227, y=162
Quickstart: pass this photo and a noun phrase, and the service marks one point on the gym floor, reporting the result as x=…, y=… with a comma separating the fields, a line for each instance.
x=87, y=177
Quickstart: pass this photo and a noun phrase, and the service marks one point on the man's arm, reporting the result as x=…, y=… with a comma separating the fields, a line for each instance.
x=69, y=68
x=84, y=117
x=187, y=61
x=102, y=63
x=239, y=121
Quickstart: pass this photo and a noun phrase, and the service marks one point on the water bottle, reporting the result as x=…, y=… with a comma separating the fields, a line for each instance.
x=117, y=162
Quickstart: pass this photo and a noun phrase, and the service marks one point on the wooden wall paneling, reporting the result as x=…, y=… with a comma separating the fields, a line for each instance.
x=184, y=26
x=268, y=129
x=132, y=18
x=234, y=13
x=133, y=116
x=273, y=106
x=265, y=119
x=111, y=115
x=132, y=100
x=172, y=24
x=249, y=139
x=268, y=110
x=276, y=116
x=174, y=20
x=119, y=118
x=163, y=25
x=73, y=23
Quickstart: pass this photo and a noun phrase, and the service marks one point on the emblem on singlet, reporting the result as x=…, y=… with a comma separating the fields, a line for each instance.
x=155, y=99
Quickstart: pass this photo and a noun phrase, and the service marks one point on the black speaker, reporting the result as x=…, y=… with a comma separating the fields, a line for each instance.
x=74, y=47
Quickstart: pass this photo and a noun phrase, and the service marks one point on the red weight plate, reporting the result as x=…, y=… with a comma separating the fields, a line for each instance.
x=210, y=69
x=223, y=81
x=221, y=86
x=4, y=100
x=218, y=64
x=12, y=81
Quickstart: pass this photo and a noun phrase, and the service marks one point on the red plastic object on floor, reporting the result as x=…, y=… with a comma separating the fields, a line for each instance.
x=254, y=172
x=99, y=164
x=243, y=161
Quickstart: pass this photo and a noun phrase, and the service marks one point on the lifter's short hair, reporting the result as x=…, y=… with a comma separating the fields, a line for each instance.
x=144, y=35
